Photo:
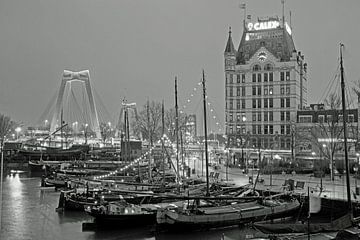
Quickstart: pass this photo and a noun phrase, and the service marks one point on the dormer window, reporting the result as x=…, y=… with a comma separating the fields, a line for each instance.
x=256, y=68
x=268, y=67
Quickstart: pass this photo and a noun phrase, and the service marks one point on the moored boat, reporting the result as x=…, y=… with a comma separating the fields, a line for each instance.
x=206, y=217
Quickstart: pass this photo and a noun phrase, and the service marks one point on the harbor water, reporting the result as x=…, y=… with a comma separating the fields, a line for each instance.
x=28, y=212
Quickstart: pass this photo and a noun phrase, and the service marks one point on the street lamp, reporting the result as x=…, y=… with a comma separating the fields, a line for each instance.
x=17, y=130
x=313, y=154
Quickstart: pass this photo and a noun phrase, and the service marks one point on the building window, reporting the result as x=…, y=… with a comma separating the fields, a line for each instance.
x=243, y=91
x=287, y=116
x=259, y=77
x=282, y=76
x=254, y=103
x=259, y=116
x=265, y=103
x=231, y=105
x=231, y=129
x=287, y=102
x=266, y=129
x=256, y=68
x=265, y=77
x=282, y=90
x=253, y=90
x=282, y=116
x=265, y=91
x=254, y=129
x=243, y=78
x=288, y=129
x=237, y=103
x=238, y=78
x=254, y=116
x=282, y=129
x=259, y=103
x=287, y=76
x=270, y=90
x=238, y=117
x=238, y=91
x=243, y=104
x=271, y=103
x=271, y=116
x=268, y=67
x=305, y=119
x=231, y=92
x=288, y=143
x=321, y=118
x=238, y=129
x=271, y=77
x=329, y=118
x=231, y=78
x=351, y=118
x=265, y=116
x=259, y=129
x=282, y=102
x=282, y=143
x=254, y=77
x=271, y=129
x=288, y=90
x=259, y=90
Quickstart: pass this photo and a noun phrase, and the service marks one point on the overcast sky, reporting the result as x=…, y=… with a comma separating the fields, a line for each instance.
x=135, y=48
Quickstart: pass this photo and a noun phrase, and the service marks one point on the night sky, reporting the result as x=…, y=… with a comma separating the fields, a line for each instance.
x=135, y=48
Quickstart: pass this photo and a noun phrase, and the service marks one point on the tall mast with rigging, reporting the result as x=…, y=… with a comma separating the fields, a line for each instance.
x=345, y=131
x=205, y=135
x=177, y=132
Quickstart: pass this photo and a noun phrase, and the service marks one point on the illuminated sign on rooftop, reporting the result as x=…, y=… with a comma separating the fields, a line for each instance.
x=262, y=25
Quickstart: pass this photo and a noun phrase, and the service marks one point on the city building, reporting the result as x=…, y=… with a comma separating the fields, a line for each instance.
x=265, y=85
x=320, y=135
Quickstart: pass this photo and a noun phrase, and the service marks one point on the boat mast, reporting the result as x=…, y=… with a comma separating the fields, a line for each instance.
x=177, y=132
x=205, y=135
x=149, y=136
x=162, y=135
x=345, y=130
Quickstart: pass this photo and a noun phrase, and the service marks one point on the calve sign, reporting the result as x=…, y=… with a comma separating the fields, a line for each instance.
x=262, y=25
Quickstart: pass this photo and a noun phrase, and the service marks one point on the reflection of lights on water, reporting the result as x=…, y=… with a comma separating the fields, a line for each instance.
x=15, y=185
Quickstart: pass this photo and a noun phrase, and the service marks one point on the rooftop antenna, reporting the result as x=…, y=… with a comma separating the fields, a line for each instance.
x=283, y=14
x=243, y=6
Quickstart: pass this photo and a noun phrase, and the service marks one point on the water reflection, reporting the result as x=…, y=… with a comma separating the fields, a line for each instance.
x=29, y=213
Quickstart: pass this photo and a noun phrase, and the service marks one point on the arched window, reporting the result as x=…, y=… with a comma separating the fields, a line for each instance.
x=256, y=67
x=269, y=67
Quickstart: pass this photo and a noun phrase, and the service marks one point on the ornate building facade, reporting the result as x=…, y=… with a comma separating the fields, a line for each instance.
x=265, y=85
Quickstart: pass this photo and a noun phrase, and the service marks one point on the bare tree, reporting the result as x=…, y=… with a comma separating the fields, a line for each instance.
x=143, y=127
x=6, y=127
x=170, y=119
x=325, y=135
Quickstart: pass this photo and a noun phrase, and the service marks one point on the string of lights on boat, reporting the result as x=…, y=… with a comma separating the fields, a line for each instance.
x=212, y=111
x=167, y=142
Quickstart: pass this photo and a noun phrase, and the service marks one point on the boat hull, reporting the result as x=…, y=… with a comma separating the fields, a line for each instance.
x=124, y=219
x=218, y=217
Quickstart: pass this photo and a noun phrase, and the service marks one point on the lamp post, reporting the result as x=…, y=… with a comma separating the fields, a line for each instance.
x=227, y=162
x=17, y=130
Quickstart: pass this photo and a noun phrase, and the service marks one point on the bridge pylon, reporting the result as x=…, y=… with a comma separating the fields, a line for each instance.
x=84, y=77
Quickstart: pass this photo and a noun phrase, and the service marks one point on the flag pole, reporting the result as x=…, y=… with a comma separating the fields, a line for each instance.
x=308, y=190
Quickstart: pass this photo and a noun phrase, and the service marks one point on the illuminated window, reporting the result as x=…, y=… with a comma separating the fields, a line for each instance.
x=270, y=90
x=287, y=76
